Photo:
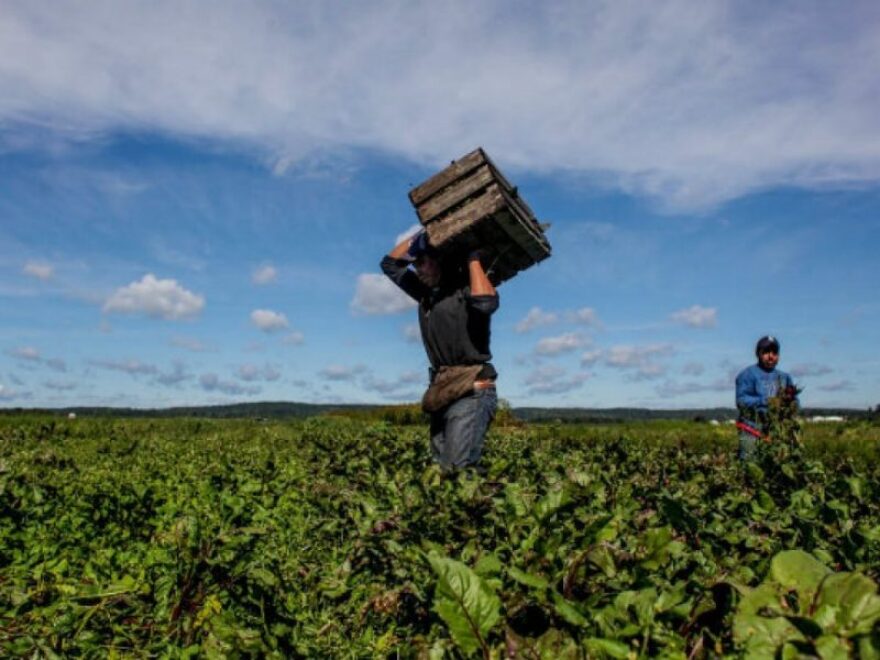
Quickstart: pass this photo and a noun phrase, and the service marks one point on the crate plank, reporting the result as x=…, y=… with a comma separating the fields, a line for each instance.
x=471, y=205
x=456, y=170
x=454, y=195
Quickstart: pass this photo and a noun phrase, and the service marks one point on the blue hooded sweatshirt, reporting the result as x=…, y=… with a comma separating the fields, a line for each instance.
x=754, y=387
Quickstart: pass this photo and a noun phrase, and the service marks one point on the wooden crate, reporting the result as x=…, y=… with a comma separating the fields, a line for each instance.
x=471, y=205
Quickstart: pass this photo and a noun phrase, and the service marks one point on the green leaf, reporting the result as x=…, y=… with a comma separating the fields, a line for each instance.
x=762, y=636
x=468, y=606
x=798, y=570
x=527, y=579
x=568, y=611
x=848, y=604
x=832, y=648
x=606, y=648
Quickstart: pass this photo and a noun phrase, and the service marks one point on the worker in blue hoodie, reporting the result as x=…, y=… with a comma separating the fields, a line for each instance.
x=755, y=386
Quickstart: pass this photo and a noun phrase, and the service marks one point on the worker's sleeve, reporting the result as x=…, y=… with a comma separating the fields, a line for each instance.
x=398, y=272
x=747, y=393
x=483, y=304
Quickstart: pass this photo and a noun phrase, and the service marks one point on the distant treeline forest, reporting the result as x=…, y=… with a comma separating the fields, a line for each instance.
x=410, y=413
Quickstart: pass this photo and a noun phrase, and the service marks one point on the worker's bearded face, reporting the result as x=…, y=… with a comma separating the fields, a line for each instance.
x=428, y=270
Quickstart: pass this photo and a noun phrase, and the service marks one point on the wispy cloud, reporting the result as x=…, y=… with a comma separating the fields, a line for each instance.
x=130, y=367
x=252, y=372
x=7, y=394
x=25, y=353
x=39, y=269
x=265, y=274
x=211, y=382
x=411, y=333
x=690, y=104
x=340, y=372
x=156, y=298
x=838, y=386
x=584, y=316
x=641, y=360
x=553, y=379
x=535, y=317
x=174, y=376
x=565, y=343
x=268, y=320
x=810, y=369
x=671, y=389
x=31, y=354
x=697, y=316
x=190, y=344
x=295, y=338
x=376, y=294
x=406, y=386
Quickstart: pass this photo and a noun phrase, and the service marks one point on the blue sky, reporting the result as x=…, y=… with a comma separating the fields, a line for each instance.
x=194, y=199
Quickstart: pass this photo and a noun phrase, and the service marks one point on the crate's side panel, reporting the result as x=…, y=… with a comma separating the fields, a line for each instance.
x=454, y=195
x=444, y=229
x=446, y=177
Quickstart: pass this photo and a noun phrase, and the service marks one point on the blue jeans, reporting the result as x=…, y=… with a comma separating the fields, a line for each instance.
x=458, y=431
x=748, y=445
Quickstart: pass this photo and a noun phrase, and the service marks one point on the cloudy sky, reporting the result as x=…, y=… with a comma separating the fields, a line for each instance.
x=194, y=197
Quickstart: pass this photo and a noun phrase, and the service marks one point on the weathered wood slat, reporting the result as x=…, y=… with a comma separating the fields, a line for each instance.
x=456, y=170
x=452, y=196
x=471, y=205
x=476, y=209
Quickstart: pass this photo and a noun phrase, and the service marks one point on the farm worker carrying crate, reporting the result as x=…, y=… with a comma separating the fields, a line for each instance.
x=756, y=385
x=456, y=302
x=471, y=216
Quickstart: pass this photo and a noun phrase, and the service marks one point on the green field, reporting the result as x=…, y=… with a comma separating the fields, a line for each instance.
x=334, y=537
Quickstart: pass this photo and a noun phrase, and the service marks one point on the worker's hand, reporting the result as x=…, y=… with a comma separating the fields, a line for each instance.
x=418, y=245
x=475, y=255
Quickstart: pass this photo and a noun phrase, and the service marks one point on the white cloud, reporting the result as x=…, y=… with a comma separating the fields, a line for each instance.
x=639, y=359
x=570, y=341
x=131, y=367
x=176, y=375
x=156, y=298
x=536, y=317
x=59, y=386
x=697, y=316
x=210, y=382
x=264, y=274
x=406, y=386
x=412, y=333
x=838, y=386
x=810, y=369
x=585, y=316
x=251, y=372
x=340, y=372
x=670, y=389
x=295, y=338
x=589, y=358
x=376, y=294
x=691, y=103
x=38, y=269
x=31, y=354
x=7, y=394
x=553, y=379
x=26, y=353
x=269, y=321
x=189, y=344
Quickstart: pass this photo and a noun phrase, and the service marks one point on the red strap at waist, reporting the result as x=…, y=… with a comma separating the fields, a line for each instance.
x=742, y=426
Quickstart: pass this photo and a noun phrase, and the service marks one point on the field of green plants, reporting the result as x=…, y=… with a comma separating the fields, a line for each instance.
x=333, y=537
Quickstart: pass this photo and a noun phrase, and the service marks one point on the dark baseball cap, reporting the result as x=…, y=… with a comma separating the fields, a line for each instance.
x=767, y=343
